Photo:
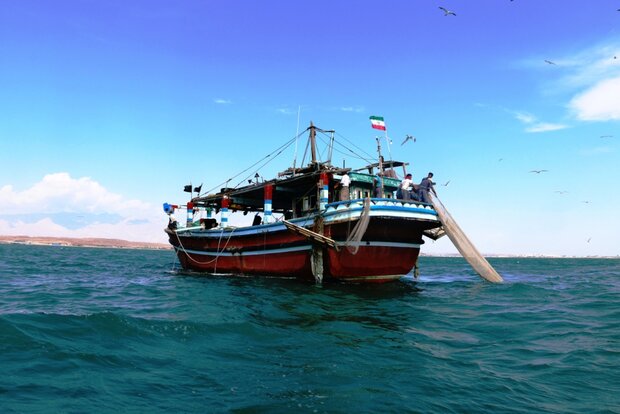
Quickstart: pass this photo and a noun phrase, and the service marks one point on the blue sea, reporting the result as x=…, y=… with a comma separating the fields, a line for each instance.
x=87, y=330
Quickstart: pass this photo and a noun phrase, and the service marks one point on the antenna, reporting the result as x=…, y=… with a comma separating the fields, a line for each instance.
x=296, y=138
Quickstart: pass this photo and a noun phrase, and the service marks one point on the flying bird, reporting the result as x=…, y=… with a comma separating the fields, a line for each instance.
x=586, y=202
x=446, y=184
x=589, y=238
x=538, y=171
x=408, y=138
x=500, y=160
x=447, y=12
x=561, y=192
x=549, y=62
x=607, y=136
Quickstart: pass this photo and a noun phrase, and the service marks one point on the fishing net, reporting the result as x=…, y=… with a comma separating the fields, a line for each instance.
x=463, y=244
x=355, y=237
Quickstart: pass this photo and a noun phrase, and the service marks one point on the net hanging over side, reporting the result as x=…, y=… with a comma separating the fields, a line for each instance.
x=463, y=244
x=355, y=237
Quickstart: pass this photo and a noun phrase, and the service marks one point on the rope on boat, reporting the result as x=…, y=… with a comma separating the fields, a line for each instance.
x=353, y=241
x=218, y=251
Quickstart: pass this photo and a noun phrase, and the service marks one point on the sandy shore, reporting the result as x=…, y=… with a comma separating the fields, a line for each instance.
x=82, y=242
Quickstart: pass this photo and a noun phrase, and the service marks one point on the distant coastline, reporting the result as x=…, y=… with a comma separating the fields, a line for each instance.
x=82, y=242
x=125, y=244
x=521, y=256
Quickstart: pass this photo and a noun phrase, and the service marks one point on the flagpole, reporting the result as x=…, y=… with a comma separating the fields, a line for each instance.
x=387, y=139
x=380, y=165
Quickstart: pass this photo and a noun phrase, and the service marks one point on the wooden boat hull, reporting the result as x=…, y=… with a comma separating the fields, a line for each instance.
x=388, y=250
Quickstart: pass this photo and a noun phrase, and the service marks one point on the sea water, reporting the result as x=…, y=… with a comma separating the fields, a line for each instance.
x=121, y=331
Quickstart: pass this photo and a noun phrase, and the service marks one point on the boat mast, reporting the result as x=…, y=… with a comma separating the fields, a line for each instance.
x=313, y=142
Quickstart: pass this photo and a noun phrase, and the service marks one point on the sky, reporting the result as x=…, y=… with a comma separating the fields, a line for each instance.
x=107, y=109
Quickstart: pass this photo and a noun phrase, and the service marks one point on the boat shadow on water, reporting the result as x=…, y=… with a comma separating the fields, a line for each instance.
x=400, y=288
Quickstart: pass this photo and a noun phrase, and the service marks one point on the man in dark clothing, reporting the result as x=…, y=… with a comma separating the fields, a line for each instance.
x=425, y=186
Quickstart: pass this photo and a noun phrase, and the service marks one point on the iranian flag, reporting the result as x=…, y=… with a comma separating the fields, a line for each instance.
x=377, y=122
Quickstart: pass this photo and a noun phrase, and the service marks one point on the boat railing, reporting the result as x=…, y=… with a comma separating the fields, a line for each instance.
x=330, y=208
x=380, y=201
x=384, y=204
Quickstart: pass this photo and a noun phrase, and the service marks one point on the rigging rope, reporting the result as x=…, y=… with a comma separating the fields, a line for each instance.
x=266, y=159
x=280, y=149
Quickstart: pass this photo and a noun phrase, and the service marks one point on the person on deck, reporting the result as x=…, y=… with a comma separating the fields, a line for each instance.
x=403, y=189
x=377, y=184
x=257, y=221
x=426, y=186
x=345, y=181
x=172, y=222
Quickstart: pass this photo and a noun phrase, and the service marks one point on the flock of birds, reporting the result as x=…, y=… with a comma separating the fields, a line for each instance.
x=447, y=12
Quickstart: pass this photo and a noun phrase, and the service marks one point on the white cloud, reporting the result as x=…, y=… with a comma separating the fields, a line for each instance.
x=286, y=111
x=545, y=127
x=60, y=193
x=357, y=109
x=591, y=79
x=534, y=126
x=525, y=117
x=601, y=102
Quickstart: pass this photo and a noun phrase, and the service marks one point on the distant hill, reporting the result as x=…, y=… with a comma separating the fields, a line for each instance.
x=82, y=242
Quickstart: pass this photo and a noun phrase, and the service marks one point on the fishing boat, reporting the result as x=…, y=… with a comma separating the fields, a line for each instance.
x=306, y=225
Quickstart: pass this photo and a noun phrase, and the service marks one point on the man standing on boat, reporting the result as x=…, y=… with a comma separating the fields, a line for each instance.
x=425, y=186
x=405, y=194
x=345, y=181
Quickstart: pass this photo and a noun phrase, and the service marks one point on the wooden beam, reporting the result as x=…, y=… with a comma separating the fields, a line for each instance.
x=313, y=236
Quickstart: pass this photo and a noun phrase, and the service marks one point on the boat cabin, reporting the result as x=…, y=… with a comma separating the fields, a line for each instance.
x=298, y=192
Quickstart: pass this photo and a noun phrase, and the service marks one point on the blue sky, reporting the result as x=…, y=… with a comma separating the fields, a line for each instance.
x=109, y=108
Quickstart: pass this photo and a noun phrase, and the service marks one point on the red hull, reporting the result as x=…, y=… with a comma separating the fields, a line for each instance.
x=388, y=251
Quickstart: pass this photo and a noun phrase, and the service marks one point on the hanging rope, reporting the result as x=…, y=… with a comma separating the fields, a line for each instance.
x=218, y=252
x=355, y=237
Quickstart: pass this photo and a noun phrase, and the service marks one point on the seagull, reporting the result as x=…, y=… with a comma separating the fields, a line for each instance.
x=447, y=12
x=607, y=136
x=538, y=171
x=407, y=138
x=561, y=192
x=589, y=238
x=500, y=160
x=587, y=202
x=446, y=184
x=549, y=62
